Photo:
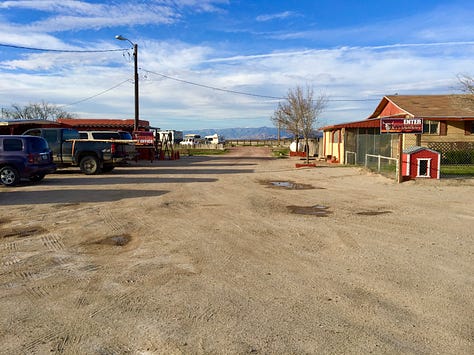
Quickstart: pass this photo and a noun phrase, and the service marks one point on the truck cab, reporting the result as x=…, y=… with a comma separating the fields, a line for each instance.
x=59, y=140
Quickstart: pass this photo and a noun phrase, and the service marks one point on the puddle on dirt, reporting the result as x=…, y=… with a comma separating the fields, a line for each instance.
x=116, y=240
x=21, y=232
x=316, y=210
x=372, y=213
x=288, y=185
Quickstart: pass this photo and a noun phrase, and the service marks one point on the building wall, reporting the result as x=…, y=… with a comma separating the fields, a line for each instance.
x=453, y=137
x=455, y=132
x=334, y=145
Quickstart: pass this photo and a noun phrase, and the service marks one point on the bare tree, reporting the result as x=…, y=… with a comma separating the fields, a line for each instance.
x=466, y=83
x=299, y=113
x=36, y=111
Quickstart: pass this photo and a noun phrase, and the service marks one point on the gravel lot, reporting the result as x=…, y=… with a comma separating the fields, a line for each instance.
x=235, y=254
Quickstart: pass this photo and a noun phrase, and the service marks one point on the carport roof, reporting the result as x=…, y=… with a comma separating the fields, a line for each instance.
x=372, y=123
x=102, y=123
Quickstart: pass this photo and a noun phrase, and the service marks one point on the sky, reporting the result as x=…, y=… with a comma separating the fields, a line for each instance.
x=207, y=64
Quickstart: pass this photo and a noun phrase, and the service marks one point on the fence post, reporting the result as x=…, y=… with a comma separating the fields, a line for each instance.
x=400, y=158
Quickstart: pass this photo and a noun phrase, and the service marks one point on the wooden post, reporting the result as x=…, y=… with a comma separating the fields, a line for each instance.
x=400, y=155
x=418, y=140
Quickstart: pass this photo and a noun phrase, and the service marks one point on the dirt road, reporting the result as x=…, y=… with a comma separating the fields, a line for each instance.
x=236, y=254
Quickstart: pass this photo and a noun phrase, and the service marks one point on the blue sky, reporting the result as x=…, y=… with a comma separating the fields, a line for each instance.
x=195, y=56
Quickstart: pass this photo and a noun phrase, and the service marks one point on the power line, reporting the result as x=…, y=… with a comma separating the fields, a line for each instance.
x=244, y=93
x=61, y=50
x=214, y=88
x=94, y=96
x=164, y=76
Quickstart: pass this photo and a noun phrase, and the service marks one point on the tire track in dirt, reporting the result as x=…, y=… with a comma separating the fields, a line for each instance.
x=115, y=225
x=36, y=292
x=10, y=260
x=119, y=303
x=10, y=247
x=52, y=242
x=28, y=264
x=32, y=346
x=94, y=268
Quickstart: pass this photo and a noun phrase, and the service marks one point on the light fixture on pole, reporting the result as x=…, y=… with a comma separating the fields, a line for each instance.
x=135, y=60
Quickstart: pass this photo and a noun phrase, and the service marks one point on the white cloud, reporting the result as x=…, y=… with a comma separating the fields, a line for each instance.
x=341, y=73
x=78, y=15
x=278, y=16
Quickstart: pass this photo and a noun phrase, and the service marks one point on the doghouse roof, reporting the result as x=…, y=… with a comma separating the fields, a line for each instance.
x=416, y=149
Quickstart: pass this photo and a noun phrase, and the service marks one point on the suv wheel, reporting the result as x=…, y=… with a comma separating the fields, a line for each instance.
x=9, y=176
x=90, y=165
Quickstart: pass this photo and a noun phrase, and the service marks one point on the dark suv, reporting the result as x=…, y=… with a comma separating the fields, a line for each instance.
x=24, y=157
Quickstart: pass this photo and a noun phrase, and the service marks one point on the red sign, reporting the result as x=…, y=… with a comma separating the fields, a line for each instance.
x=401, y=125
x=144, y=138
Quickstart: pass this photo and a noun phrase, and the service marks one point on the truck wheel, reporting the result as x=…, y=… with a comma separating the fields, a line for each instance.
x=9, y=176
x=37, y=177
x=90, y=165
x=107, y=168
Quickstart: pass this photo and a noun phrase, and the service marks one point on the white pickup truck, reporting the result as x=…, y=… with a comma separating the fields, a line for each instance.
x=123, y=137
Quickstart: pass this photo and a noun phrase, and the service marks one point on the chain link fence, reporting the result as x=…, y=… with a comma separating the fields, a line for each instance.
x=378, y=153
x=457, y=158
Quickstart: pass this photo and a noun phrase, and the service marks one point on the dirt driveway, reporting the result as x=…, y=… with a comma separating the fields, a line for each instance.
x=236, y=254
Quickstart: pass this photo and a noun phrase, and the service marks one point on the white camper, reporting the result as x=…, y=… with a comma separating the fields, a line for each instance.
x=191, y=139
x=171, y=136
x=214, y=139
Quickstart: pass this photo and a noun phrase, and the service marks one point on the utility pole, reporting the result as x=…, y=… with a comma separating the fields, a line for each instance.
x=135, y=79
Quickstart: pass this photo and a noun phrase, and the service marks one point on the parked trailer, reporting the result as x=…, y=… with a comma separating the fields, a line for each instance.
x=214, y=139
x=171, y=136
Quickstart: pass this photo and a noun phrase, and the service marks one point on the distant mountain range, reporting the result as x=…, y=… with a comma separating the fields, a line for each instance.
x=245, y=133
x=242, y=133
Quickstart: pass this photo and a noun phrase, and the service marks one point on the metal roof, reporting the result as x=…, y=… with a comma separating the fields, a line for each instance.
x=28, y=122
x=102, y=122
x=430, y=106
x=372, y=123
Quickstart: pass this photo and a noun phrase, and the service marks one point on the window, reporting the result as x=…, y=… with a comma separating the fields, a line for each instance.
x=12, y=145
x=70, y=134
x=430, y=127
x=34, y=132
x=50, y=135
x=39, y=145
x=106, y=135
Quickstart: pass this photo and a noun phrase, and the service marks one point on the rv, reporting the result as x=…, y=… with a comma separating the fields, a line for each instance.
x=171, y=136
x=214, y=139
x=191, y=139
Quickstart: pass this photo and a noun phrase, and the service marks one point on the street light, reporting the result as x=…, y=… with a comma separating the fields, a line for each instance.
x=135, y=60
